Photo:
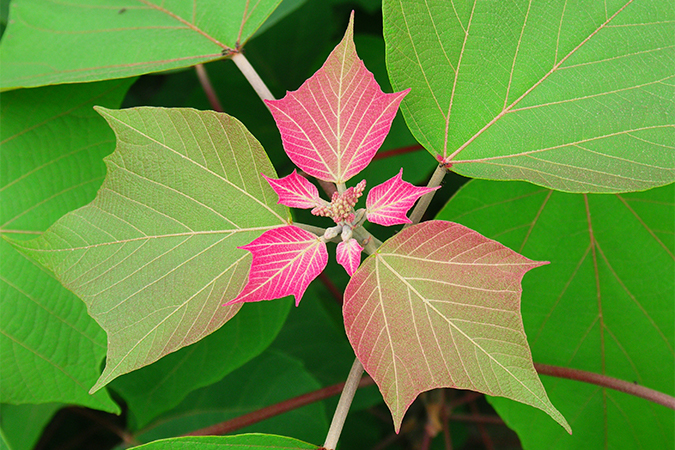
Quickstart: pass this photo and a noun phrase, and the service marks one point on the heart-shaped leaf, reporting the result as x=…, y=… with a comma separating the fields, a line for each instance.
x=333, y=125
x=576, y=96
x=285, y=261
x=64, y=42
x=154, y=256
x=388, y=203
x=438, y=305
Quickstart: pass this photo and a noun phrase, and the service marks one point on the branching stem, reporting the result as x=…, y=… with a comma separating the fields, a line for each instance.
x=425, y=200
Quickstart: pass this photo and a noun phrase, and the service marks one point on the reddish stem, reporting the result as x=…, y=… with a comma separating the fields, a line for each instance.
x=609, y=382
x=205, y=81
x=334, y=291
x=274, y=410
x=475, y=416
x=398, y=151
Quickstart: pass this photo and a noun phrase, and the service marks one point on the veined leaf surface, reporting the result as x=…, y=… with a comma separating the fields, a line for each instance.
x=254, y=441
x=438, y=305
x=388, y=203
x=154, y=256
x=49, y=41
x=573, y=96
x=285, y=261
x=51, y=350
x=332, y=126
x=603, y=305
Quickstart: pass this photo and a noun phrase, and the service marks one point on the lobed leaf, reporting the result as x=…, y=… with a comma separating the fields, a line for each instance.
x=388, y=203
x=332, y=126
x=51, y=42
x=577, y=96
x=295, y=191
x=603, y=305
x=348, y=255
x=285, y=261
x=438, y=305
x=154, y=255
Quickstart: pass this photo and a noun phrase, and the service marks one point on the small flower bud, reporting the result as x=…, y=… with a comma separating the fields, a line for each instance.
x=346, y=233
x=330, y=233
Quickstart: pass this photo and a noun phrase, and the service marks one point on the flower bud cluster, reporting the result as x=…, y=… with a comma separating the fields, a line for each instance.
x=341, y=207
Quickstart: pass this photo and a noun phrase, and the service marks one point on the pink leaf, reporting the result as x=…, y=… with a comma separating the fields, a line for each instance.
x=285, y=261
x=296, y=191
x=349, y=255
x=438, y=305
x=388, y=203
x=332, y=126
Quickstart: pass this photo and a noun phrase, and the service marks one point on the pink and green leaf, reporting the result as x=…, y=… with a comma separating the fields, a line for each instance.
x=348, y=254
x=296, y=191
x=333, y=125
x=285, y=261
x=388, y=203
x=438, y=305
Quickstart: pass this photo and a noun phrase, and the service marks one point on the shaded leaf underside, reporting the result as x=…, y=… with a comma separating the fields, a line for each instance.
x=603, y=305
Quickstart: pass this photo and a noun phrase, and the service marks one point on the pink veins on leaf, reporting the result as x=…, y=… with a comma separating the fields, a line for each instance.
x=285, y=261
x=388, y=203
x=333, y=125
x=348, y=255
x=296, y=191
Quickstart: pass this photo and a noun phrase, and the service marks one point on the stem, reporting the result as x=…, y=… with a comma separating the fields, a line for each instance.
x=397, y=151
x=311, y=228
x=425, y=200
x=208, y=88
x=370, y=243
x=609, y=382
x=273, y=410
x=350, y=387
x=252, y=76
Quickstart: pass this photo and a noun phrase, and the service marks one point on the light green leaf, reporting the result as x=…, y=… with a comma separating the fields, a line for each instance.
x=22, y=425
x=49, y=42
x=156, y=388
x=573, y=96
x=155, y=255
x=50, y=348
x=604, y=305
x=266, y=380
x=241, y=442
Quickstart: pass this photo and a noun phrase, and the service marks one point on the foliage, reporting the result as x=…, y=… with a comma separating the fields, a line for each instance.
x=570, y=106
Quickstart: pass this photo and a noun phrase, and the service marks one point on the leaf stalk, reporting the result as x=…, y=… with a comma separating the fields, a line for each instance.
x=351, y=385
x=252, y=76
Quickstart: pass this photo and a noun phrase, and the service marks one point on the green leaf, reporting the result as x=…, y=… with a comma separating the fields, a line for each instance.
x=50, y=348
x=154, y=256
x=603, y=305
x=241, y=442
x=61, y=42
x=268, y=379
x=22, y=425
x=156, y=388
x=577, y=97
